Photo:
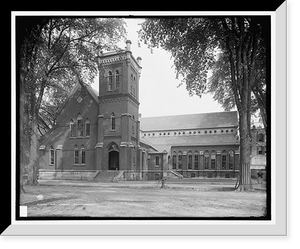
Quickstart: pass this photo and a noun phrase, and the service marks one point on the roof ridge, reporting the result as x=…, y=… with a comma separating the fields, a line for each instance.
x=203, y=113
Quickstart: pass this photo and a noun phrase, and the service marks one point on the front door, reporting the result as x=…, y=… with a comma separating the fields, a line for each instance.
x=113, y=162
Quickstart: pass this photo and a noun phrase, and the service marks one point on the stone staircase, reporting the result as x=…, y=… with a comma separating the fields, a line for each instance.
x=174, y=174
x=108, y=176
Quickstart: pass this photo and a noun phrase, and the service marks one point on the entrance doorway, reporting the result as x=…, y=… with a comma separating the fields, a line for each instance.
x=113, y=161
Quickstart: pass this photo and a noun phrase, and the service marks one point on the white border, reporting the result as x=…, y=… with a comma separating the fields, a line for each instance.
x=277, y=225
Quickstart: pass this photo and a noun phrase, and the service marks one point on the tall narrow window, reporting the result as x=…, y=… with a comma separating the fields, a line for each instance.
x=179, y=160
x=82, y=154
x=113, y=121
x=72, y=128
x=117, y=79
x=76, y=155
x=231, y=159
x=196, y=160
x=224, y=159
x=157, y=161
x=87, y=128
x=206, y=160
x=51, y=155
x=110, y=77
x=174, y=158
x=190, y=158
x=79, y=126
x=213, y=160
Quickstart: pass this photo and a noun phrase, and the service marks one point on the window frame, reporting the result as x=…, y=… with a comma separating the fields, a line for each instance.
x=79, y=125
x=222, y=161
x=206, y=160
x=230, y=157
x=190, y=160
x=213, y=161
x=72, y=129
x=82, y=157
x=157, y=161
x=87, y=127
x=110, y=81
x=117, y=75
x=76, y=155
x=196, y=162
x=180, y=159
x=51, y=156
x=112, y=122
x=174, y=160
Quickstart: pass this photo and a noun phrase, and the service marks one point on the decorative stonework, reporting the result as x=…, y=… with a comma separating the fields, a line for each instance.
x=188, y=133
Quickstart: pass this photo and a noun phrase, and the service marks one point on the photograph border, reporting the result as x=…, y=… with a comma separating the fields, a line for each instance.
x=276, y=226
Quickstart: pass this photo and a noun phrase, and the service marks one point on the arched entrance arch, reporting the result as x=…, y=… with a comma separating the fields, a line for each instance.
x=113, y=156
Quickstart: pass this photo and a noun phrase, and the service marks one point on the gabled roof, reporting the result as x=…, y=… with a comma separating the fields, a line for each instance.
x=190, y=121
x=93, y=93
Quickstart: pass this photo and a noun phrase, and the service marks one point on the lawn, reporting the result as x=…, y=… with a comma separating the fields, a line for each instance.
x=151, y=201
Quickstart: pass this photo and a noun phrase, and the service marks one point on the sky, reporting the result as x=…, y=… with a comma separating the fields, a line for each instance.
x=159, y=91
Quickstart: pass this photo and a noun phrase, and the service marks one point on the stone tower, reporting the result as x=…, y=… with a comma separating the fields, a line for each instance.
x=118, y=123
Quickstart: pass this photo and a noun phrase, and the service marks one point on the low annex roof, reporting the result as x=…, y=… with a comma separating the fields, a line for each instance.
x=190, y=121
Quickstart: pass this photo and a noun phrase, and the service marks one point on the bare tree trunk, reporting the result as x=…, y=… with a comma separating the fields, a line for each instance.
x=32, y=167
x=21, y=108
x=245, y=171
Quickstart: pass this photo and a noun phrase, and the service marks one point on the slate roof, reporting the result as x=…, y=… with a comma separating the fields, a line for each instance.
x=190, y=121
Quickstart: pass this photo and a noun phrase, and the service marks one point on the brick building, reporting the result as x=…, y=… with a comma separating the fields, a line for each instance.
x=101, y=134
x=258, y=152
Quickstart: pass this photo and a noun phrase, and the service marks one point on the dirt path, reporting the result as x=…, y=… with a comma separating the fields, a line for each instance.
x=96, y=201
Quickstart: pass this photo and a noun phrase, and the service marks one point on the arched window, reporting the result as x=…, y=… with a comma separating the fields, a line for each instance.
x=117, y=79
x=72, y=128
x=174, y=160
x=190, y=159
x=206, y=160
x=82, y=152
x=231, y=159
x=51, y=155
x=110, y=78
x=79, y=126
x=224, y=159
x=87, y=128
x=196, y=160
x=76, y=155
x=213, y=160
x=113, y=122
x=179, y=160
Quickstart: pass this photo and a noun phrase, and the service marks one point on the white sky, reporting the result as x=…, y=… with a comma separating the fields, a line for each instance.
x=159, y=94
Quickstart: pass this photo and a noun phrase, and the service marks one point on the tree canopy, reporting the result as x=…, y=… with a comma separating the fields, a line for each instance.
x=202, y=44
x=57, y=53
x=239, y=72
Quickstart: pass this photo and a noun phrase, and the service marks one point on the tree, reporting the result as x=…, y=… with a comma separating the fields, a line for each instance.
x=219, y=84
x=193, y=43
x=54, y=54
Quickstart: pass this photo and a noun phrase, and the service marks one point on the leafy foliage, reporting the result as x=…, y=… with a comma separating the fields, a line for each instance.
x=232, y=48
x=62, y=52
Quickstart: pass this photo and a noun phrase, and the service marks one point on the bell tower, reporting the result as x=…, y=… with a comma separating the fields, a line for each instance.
x=118, y=124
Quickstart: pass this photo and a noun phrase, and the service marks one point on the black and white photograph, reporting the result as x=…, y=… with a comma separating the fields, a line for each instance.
x=154, y=117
